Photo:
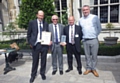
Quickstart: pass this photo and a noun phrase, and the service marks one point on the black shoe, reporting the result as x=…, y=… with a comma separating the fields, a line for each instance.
x=43, y=77
x=54, y=72
x=61, y=72
x=80, y=72
x=32, y=79
x=68, y=70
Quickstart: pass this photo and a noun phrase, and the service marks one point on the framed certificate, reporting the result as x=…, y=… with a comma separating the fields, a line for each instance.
x=63, y=38
x=46, y=37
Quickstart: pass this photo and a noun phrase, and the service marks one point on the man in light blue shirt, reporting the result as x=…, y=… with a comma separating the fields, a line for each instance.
x=91, y=28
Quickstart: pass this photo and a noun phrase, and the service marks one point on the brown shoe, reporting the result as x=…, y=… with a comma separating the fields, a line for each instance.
x=86, y=72
x=95, y=73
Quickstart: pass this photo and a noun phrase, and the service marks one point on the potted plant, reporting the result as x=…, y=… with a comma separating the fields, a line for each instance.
x=110, y=40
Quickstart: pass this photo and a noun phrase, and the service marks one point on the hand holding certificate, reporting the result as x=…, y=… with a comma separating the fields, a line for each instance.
x=46, y=36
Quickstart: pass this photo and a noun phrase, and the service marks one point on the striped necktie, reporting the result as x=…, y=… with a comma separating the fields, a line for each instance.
x=72, y=35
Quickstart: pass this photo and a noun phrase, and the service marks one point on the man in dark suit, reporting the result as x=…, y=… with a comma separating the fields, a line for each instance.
x=34, y=33
x=73, y=38
x=57, y=31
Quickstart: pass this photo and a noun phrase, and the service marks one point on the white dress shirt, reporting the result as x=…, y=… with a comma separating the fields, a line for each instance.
x=58, y=34
x=38, y=36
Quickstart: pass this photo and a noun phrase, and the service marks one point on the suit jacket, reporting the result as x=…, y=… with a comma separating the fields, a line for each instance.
x=51, y=29
x=32, y=32
x=77, y=37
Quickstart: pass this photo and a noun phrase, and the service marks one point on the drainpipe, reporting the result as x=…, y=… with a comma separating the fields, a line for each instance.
x=72, y=6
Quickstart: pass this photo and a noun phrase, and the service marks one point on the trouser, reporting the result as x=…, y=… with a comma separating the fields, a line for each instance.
x=57, y=56
x=91, y=50
x=70, y=51
x=39, y=49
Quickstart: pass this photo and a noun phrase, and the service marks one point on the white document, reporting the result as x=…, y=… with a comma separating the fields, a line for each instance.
x=46, y=37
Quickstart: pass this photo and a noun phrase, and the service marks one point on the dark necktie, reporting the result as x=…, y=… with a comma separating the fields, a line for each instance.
x=40, y=30
x=72, y=35
x=56, y=35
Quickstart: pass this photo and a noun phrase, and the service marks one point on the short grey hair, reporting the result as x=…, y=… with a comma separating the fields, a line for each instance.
x=86, y=6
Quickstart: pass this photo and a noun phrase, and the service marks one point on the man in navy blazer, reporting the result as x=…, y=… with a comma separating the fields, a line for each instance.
x=35, y=29
x=73, y=38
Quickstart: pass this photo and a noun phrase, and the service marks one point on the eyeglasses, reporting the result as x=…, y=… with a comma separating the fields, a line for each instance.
x=54, y=19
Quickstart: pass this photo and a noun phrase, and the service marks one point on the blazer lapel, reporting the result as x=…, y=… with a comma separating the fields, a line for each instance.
x=52, y=30
x=44, y=28
x=68, y=30
x=59, y=29
x=36, y=25
x=75, y=30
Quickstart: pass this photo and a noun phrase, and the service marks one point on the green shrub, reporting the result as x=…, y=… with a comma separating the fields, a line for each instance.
x=109, y=50
x=29, y=9
x=4, y=46
x=103, y=50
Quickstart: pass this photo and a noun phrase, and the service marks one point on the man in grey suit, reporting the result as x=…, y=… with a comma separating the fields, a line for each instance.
x=56, y=47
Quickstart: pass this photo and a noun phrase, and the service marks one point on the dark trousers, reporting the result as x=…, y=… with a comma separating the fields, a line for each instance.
x=70, y=51
x=39, y=50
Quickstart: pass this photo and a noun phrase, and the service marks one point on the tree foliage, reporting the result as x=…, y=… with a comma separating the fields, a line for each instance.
x=29, y=9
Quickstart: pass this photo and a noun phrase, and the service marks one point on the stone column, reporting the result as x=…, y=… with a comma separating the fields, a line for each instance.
x=12, y=10
x=1, y=17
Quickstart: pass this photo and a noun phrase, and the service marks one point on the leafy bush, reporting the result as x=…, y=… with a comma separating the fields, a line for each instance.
x=29, y=9
x=109, y=50
x=104, y=50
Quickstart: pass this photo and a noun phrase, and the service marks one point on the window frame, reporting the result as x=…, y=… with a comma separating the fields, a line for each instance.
x=108, y=4
x=61, y=10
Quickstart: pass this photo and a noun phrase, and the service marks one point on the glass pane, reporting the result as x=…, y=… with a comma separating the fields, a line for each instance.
x=58, y=13
x=104, y=14
x=0, y=16
x=114, y=12
x=93, y=2
x=94, y=10
x=57, y=5
x=103, y=1
x=64, y=4
x=114, y=1
x=80, y=12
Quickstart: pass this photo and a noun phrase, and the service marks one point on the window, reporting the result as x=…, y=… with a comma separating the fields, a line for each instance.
x=107, y=10
x=103, y=1
x=94, y=10
x=60, y=8
x=114, y=1
x=114, y=12
x=104, y=14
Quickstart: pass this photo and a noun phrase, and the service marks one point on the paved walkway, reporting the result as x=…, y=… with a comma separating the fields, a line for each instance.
x=109, y=72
